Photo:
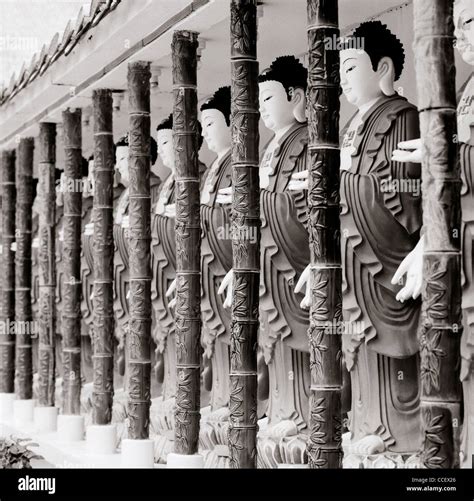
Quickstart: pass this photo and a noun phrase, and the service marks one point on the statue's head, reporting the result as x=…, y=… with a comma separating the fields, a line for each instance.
x=282, y=89
x=121, y=156
x=370, y=73
x=464, y=29
x=215, y=118
x=164, y=138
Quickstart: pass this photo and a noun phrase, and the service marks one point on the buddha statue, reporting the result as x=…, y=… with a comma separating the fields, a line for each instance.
x=380, y=227
x=284, y=378
x=216, y=261
x=120, y=232
x=410, y=151
x=87, y=268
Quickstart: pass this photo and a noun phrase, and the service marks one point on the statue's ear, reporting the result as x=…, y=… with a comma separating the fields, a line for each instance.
x=298, y=98
x=386, y=72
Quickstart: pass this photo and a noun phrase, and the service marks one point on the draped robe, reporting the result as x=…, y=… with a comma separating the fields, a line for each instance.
x=216, y=261
x=284, y=256
x=466, y=138
x=379, y=227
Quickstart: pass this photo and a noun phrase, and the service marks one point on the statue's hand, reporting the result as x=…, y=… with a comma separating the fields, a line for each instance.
x=170, y=210
x=412, y=267
x=13, y=246
x=171, y=290
x=408, y=151
x=35, y=243
x=125, y=222
x=226, y=288
x=224, y=196
x=89, y=229
x=299, y=181
x=302, y=282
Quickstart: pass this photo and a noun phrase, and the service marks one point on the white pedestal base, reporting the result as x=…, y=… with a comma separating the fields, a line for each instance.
x=46, y=419
x=101, y=438
x=70, y=428
x=137, y=453
x=6, y=406
x=23, y=411
x=184, y=461
x=293, y=466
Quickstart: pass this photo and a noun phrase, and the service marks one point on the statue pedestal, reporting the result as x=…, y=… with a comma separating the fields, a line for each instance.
x=6, y=406
x=185, y=461
x=46, y=419
x=137, y=453
x=70, y=428
x=102, y=438
x=23, y=411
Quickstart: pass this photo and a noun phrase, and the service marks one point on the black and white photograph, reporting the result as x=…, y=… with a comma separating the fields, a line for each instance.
x=236, y=236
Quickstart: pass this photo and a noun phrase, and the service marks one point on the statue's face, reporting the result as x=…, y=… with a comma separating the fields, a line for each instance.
x=121, y=162
x=464, y=29
x=215, y=130
x=164, y=138
x=275, y=108
x=359, y=82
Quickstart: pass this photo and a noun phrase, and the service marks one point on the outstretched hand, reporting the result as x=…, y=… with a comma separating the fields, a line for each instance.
x=408, y=151
x=299, y=181
x=224, y=196
x=412, y=267
x=226, y=288
x=304, y=286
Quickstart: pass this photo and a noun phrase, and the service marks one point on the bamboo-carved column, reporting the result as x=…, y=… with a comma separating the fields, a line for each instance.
x=23, y=263
x=245, y=222
x=71, y=262
x=441, y=331
x=139, y=333
x=47, y=264
x=188, y=242
x=102, y=332
x=7, y=291
x=324, y=442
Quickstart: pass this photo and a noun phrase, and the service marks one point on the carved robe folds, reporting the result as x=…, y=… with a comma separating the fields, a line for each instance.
x=216, y=261
x=283, y=335
x=466, y=137
x=380, y=225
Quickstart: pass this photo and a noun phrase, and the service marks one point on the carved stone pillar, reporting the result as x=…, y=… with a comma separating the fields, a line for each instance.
x=245, y=223
x=47, y=265
x=7, y=299
x=102, y=332
x=71, y=262
x=23, y=309
x=324, y=444
x=139, y=333
x=441, y=330
x=188, y=243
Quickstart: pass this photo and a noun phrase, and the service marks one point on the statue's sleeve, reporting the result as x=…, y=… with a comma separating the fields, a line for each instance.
x=300, y=199
x=403, y=202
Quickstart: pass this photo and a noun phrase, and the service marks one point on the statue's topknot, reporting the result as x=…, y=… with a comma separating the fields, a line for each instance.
x=289, y=71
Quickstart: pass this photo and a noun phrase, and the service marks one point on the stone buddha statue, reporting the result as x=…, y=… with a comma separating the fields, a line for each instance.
x=87, y=269
x=410, y=151
x=380, y=227
x=120, y=231
x=284, y=378
x=164, y=272
x=216, y=261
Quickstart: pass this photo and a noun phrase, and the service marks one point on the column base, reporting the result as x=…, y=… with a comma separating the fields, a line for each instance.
x=46, y=419
x=137, y=453
x=23, y=411
x=70, y=428
x=6, y=406
x=102, y=438
x=185, y=461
